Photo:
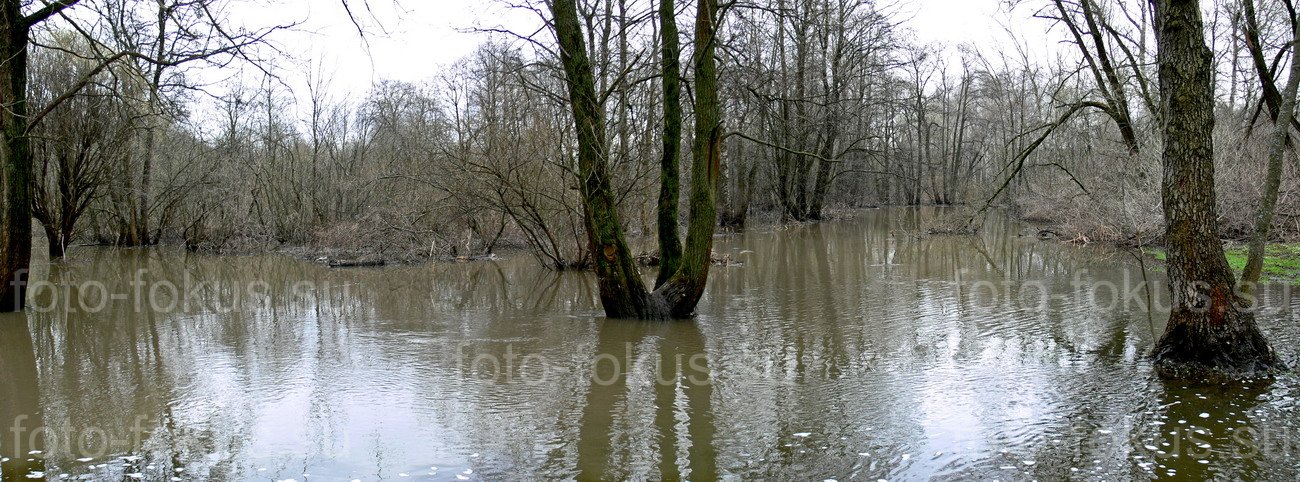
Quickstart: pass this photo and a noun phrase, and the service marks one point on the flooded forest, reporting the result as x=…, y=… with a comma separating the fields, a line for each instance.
x=649, y=240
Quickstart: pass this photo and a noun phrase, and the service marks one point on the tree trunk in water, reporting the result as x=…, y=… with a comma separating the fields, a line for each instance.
x=683, y=292
x=670, y=244
x=1273, y=181
x=825, y=166
x=1208, y=330
x=622, y=291
x=141, y=235
x=737, y=202
x=16, y=156
x=56, y=241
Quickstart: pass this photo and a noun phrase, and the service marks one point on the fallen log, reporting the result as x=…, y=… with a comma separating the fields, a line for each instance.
x=354, y=263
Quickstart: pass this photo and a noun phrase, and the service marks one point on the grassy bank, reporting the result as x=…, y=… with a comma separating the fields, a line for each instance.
x=1281, y=261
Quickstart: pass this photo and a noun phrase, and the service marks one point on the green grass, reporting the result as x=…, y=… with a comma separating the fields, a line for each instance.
x=1156, y=253
x=1281, y=261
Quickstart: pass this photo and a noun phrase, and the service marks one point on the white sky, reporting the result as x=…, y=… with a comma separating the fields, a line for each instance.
x=957, y=21
x=414, y=40
x=408, y=40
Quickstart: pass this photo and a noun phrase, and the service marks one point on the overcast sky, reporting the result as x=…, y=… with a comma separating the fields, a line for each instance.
x=413, y=40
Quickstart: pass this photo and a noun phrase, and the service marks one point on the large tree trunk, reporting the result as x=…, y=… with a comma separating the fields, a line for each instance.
x=670, y=244
x=832, y=87
x=1209, y=331
x=16, y=156
x=140, y=235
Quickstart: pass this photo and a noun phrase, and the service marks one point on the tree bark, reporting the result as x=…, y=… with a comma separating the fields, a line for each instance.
x=1273, y=180
x=1209, y=331
x=670, y=244
x=16, y=155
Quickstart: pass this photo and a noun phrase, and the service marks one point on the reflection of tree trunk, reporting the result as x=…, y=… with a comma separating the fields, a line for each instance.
x=823, y=265
x=608, y=379
x=681, y=369
x=1227, y=429
x=20, y=407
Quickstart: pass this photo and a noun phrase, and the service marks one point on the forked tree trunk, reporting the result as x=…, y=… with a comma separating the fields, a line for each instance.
x=622, y=291
x=686, y=287
x=1209, y=331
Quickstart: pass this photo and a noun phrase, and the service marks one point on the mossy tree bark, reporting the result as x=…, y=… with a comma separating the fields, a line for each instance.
x=686, y=287
x=1209, y=330
x=670, y=243
x=622, y=291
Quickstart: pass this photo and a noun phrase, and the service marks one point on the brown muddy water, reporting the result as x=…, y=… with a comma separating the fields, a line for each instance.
x=851, y=350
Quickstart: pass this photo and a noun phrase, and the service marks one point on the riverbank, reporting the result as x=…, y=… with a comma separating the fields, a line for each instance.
x=1281, y=261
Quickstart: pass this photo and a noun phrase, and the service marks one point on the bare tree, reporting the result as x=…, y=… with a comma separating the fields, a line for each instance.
x=1283, y=118
x=75, y=147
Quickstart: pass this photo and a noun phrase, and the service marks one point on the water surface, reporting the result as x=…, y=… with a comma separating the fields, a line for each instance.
x=850, y=350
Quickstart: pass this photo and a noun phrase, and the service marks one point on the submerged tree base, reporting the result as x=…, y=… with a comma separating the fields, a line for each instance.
x=1228, y=350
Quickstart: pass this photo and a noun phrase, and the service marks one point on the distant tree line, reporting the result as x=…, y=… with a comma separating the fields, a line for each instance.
x=608, y=129
x=829, y=104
